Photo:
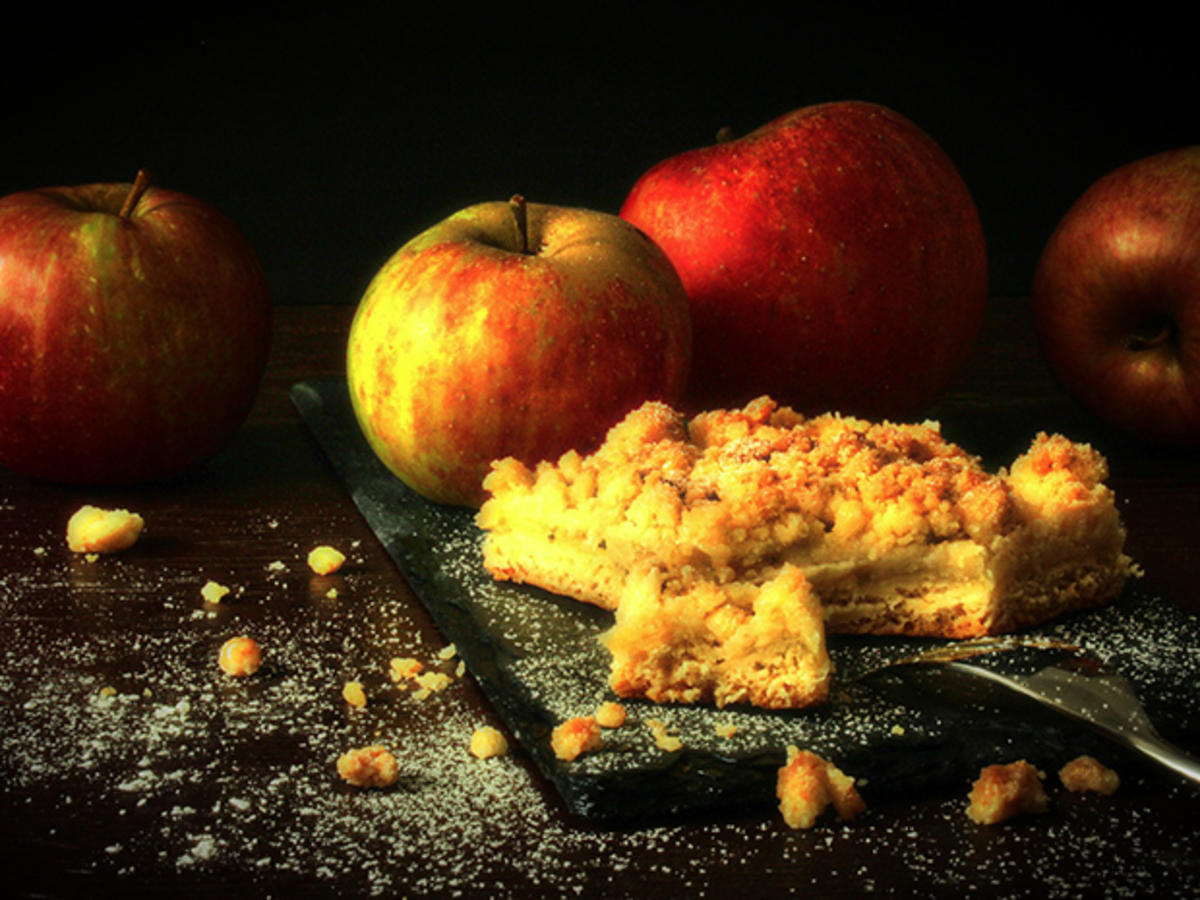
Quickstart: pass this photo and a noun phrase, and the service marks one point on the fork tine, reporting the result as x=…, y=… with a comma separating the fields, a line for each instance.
x=1100, y=699
x=967, y=649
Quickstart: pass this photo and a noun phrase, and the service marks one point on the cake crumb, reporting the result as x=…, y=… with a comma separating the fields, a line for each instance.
x=487, y=742
x=402, y=668
x=663, y=738
x=353, y=693
x=725, y=729
x=240, y=656
x=433, y=681
x=575, y=737
x=808, y=784
x=1086, y=773
x=1004, y=791
x=325, y=560
x=610, y=715
x=213, y=592
x=447, y=652
x=94, y=530
x=368, y=767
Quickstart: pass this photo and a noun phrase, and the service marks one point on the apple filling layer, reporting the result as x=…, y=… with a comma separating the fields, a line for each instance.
x=893, y=528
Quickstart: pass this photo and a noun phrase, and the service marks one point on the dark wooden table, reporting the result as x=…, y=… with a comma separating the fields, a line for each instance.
x=130, y=764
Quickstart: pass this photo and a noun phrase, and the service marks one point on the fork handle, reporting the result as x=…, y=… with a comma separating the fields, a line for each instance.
x=1167, y=754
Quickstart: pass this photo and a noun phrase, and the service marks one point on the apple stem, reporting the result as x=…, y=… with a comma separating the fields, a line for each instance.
x=521, y=217
x=140, y=184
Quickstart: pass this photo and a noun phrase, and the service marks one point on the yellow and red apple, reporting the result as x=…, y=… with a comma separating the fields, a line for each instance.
x=512, y=329
x=833, y=257
x=1117, y=298
x=134, y=331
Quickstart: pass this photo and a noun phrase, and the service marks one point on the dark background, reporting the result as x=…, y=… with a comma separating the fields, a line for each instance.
x=330, y=139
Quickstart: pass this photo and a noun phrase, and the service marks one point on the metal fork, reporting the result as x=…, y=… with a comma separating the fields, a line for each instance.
x=1081, y=688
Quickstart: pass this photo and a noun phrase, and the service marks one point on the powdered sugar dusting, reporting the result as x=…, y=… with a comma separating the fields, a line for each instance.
x=128, y=746
x=137, y=759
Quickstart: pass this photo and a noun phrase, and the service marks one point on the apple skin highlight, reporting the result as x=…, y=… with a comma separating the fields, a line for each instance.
x=834, y=259
x=471, y=344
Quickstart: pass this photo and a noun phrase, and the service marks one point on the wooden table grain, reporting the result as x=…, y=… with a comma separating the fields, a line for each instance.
x=129, y=764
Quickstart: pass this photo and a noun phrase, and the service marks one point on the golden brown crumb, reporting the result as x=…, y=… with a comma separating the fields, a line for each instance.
x=212, y=592
x=487, y=742
x=576, y=736
x=1086, y=773
x=610, y=715
x=404, y=667
x=725, y=729
x=1004, y=791
x=353, y=693
x=325, y=560
x=663, y=739
x=433, y=681
x=808, y=784
x=430, y=683
x=240, y=656
x=368, y=767
x=94, y=530
x=1054, y=453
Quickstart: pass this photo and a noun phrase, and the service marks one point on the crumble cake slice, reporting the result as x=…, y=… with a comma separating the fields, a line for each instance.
x=898, y=530
x=682, y=640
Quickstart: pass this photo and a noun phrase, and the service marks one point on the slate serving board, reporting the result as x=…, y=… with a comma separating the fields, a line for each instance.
x=537, y=659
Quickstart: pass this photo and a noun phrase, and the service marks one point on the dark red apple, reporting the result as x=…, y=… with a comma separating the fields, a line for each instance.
x=134, y=330
x=1117, y=298
x=833, y=258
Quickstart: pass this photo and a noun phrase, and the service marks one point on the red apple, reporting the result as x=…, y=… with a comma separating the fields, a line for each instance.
x=134, y=328
x=1117, y=298
x=833, y=257
x=512, y=330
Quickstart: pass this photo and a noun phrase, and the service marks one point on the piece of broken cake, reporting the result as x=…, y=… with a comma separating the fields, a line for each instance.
x=808, y=784
x=893, y=528
x=680, y=639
